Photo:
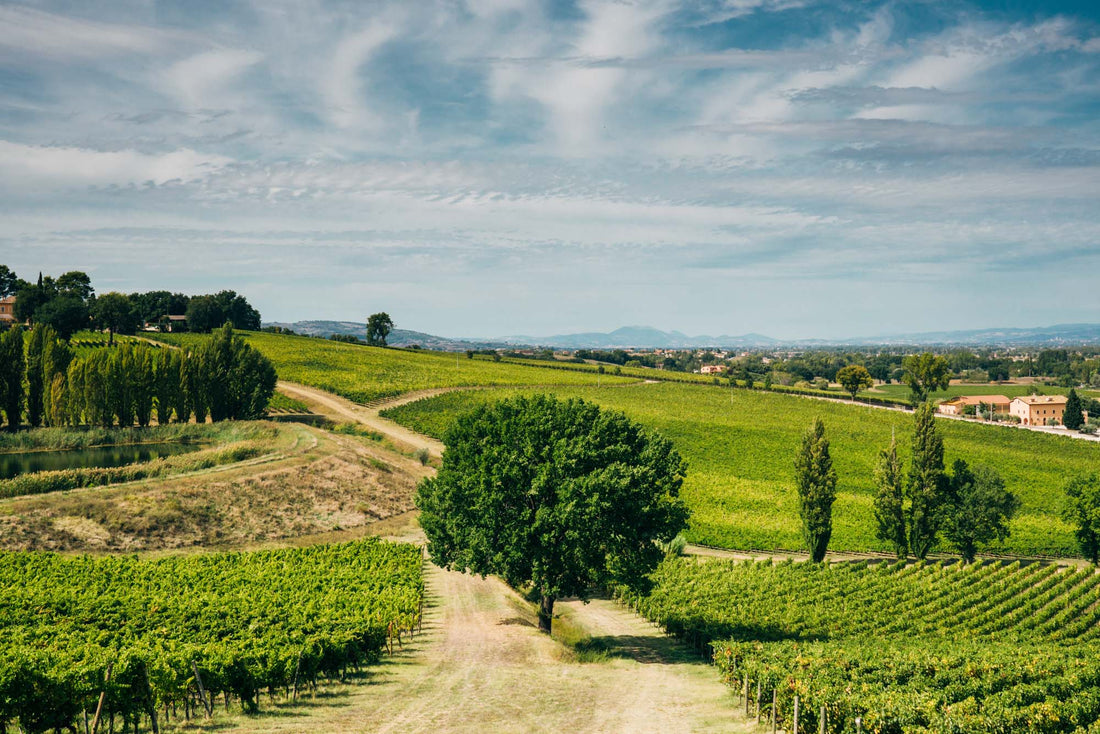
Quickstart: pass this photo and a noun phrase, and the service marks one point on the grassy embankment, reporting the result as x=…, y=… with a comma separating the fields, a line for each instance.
x=740, y=447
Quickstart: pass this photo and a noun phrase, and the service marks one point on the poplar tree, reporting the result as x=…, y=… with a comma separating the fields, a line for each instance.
x=34, y=373
x=816, y=485
x=11, y=376
x=926, y=482
x=890, y=500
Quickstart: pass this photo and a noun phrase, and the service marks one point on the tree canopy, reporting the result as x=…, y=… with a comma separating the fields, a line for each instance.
x=557, y=494
x=977, y=508
x=379, y=326
x=115, y=312
x=926, y=482
x=925, y=373
x=854, y=378
x=1083, y=510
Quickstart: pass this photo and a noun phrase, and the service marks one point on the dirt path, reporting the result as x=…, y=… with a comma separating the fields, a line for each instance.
x=481, y=665
x=344, y=410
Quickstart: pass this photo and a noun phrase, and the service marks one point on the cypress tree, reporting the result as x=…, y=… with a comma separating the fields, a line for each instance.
x=1073, y=417
x=926, y=483
x=890, y=500
x=11, y=376
x=816, y=484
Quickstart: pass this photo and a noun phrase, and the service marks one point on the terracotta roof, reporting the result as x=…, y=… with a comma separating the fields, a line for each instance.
x=1042, y=399
x=975, y=399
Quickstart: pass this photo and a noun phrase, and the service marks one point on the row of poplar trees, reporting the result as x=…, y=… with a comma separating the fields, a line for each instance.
x=42, y=379
x=914, y=510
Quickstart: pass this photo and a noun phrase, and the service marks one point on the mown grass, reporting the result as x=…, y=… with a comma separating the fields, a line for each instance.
x=363, y=374
x=740, y=446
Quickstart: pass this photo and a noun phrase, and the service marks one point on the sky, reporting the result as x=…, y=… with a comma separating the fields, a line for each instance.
x=483, y=168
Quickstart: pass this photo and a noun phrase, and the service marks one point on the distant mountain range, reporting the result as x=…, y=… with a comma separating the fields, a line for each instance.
x=646, y=337
x=397, y=337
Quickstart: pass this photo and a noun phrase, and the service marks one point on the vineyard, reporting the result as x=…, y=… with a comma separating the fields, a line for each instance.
x=139, y=639
x=914, y=648
x=364, y=374
x=740, y=446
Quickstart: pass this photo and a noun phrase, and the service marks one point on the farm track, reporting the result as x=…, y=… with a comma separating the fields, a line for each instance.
x=482, y=665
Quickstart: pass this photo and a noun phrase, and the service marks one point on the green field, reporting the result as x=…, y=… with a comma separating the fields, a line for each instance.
x=1009, y=391
x=250, y=623
x=913, y=648
x=740, y=447
x=364, y=374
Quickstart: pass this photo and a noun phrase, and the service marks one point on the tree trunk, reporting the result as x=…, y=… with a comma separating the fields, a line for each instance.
x=546, y=613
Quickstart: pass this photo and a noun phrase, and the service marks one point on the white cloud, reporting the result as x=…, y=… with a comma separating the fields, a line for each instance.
x=343, y=86
x=198, y=80
x=55, y=167
x=36, y=33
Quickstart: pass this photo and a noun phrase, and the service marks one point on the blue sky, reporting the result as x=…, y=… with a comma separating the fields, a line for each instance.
x=491, y=167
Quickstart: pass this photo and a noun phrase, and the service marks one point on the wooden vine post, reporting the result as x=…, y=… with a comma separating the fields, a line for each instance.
x=775, y=716
x=794, y=718
x=102, y=699
x=758, y=703
x=821, y=721
x=207, y=704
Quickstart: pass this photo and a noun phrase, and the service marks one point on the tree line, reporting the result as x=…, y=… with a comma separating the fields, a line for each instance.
x=43, y=382
x=917, y=508
x=69, y=304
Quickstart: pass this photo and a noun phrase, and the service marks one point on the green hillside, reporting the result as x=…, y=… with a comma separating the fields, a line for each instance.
x=363, y=374
x=740, y=447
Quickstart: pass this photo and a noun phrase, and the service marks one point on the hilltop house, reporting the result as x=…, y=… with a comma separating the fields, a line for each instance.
x=7, y=310
x=1039, y=410
x=957, y=405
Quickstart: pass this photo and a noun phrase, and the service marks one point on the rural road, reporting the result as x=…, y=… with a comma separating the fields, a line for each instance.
x=343, y=410
x=482, y=665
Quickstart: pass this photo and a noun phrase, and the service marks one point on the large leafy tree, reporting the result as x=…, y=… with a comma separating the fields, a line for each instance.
x=115, y=313
x=1073, y=417
x=557, y=494
x=815, y=481
x=977, y=508
x=9, y=283
x=925, y=373
x=890, y=500
x=854, y=378
x=1083, y=510
x=75, y=284
x=927, y=478
x=379, y=326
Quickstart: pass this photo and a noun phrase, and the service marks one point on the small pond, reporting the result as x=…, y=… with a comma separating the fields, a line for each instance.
x=12, y=465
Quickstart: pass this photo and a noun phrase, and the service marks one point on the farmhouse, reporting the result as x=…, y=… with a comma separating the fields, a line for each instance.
x=711, y=369
x=7, y=309
x=957, y=405
x=1039, y=410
